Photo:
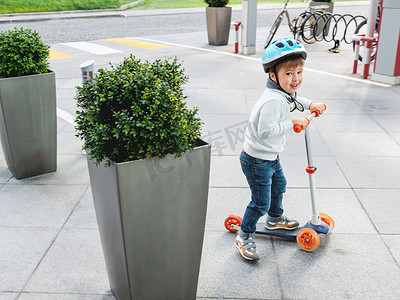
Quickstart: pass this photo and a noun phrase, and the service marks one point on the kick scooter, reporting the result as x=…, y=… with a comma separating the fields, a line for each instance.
x=306, y=236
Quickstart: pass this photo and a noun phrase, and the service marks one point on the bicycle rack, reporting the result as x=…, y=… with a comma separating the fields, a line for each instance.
x=330, y=27
x=358, y=38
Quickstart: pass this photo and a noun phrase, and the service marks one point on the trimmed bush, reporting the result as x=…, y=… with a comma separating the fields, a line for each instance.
x=136, y=110
x=22, y=52
x=217, y=3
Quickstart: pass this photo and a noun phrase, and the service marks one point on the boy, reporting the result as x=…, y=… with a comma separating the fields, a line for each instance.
x=270, y=119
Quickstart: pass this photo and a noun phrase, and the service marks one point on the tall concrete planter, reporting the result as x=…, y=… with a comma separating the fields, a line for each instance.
x=218, y=25
x=151, y=217
x=28, y=124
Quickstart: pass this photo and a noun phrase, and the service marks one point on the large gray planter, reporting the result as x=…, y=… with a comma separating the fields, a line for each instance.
x=218, y=25
x=151, y=217
x=28, y=124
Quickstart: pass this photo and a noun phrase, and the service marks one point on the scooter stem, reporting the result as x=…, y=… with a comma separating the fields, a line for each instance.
x=311, y=173
x=310, y=169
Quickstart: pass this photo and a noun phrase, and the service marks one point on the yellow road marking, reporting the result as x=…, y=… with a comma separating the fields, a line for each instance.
x=57, y=55
x=137, y=43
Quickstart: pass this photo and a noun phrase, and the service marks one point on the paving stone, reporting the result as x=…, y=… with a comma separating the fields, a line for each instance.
x=225, y=274
x=5, y=174
x=361, y=144
x=83, y=216
x=56, y=296
x=341, y=106
x=345, y=266
x=68, y=143
x=382, y=106
x=21, y=250
x=371, y=94
x=390, y=123
x=328, y=174
x=226, y=172
x=74, y=265
x=393, y=243
x=71, y=170
x=295, y=145
x=37, y=205
x=348, y=122
x=380, y=205
x=221, y=101
x=370, y=172
x=8, y=296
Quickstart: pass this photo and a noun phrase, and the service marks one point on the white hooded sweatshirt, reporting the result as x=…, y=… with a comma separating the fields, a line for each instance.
x=268, y=123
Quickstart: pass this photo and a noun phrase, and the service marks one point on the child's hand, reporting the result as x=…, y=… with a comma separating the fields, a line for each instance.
x=320, y=107
x=303, y=122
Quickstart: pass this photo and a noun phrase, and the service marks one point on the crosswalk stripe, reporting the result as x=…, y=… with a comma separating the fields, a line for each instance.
x=137, y=43
x=57, y=55
x=92, y=48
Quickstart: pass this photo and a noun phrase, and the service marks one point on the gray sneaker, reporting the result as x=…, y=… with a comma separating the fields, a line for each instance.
x=281, y=222
x=247, y=248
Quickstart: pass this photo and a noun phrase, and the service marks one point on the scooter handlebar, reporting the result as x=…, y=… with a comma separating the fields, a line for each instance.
x=298, y=128
x=315, y=113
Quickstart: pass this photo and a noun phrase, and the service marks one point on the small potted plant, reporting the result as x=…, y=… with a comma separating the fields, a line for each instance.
x=218, y=17
x=149, y=175
x=28, y=125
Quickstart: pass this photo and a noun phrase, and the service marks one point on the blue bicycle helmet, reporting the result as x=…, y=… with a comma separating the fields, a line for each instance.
x=280, y=50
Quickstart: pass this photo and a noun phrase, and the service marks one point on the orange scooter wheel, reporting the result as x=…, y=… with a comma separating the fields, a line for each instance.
x=308, y=239
x=232, y=220
x=327, y=219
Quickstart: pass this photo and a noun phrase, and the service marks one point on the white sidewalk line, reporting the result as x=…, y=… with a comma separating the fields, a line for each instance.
x=258, y=60
x=65, y=116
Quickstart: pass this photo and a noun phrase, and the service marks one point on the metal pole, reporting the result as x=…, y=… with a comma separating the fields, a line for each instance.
x=373, y=11
x=356, y=55
x=249, y=23
x=313, y=188
x=237, y=27
x=87, y=69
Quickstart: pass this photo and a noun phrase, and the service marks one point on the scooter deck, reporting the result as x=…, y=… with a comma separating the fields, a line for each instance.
x=292, y=234
x=282, y=233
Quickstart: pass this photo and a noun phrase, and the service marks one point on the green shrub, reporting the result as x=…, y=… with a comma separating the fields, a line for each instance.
x=217, y=3
x=22, y=52
x=135, y=111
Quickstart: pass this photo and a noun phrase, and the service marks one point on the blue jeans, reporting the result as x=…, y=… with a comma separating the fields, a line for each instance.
x=267, y=184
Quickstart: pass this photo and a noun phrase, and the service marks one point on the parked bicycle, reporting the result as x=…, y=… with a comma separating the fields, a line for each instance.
x=303, y=25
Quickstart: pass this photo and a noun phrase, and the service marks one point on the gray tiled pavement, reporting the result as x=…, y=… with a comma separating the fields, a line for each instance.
x=49, y=243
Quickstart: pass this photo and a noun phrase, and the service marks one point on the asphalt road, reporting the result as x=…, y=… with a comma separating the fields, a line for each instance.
x=85, y=29
x=71, y=30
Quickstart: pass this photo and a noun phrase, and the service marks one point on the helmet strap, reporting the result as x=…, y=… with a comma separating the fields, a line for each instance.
x=276, y=75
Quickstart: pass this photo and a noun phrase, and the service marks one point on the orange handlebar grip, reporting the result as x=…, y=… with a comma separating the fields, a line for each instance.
x=316, y=111
x=297, y=128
